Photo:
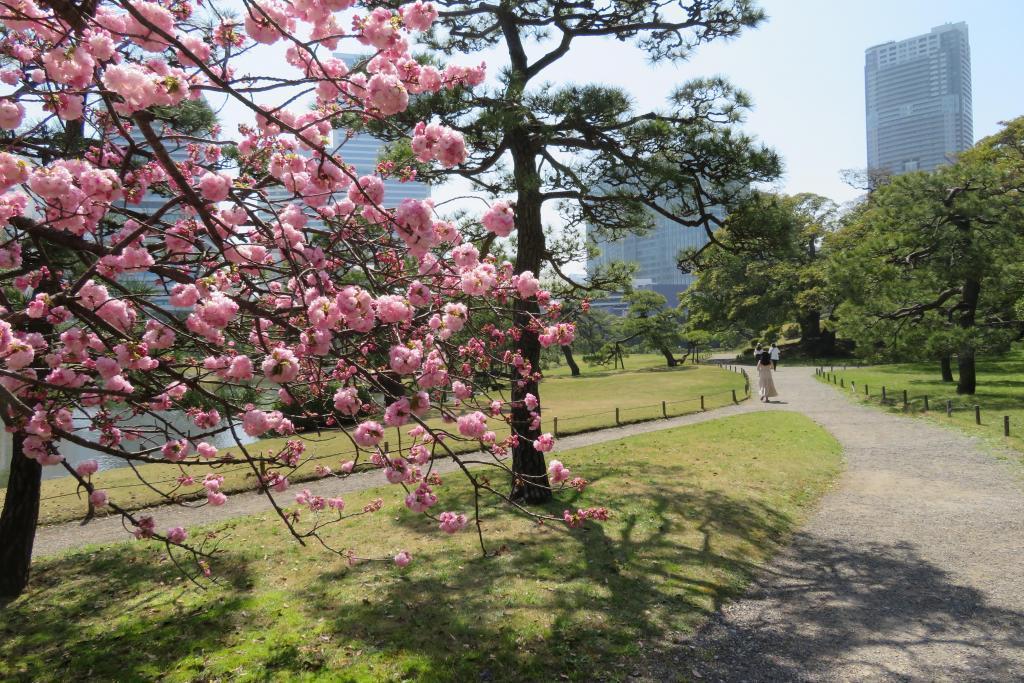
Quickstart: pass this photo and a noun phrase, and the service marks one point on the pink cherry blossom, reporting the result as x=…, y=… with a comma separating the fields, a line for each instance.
x=87, y=467
x=419, y=15
x=500, y=219
x=473, y=425
x=214, y=186
x=403, y=558
x=451, y=522
x=558, y=472
x=177, y=534
x=368, y=434
x=346, y=401
x=544, y=443
x=281, y=366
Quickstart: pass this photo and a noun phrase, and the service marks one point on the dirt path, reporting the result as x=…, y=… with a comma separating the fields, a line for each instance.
x=912, y=568
x=61, y=537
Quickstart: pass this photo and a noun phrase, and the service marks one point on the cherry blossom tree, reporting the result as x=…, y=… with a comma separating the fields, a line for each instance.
x=272, y=274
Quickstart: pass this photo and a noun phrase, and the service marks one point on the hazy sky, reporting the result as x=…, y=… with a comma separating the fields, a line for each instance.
x=804, y=68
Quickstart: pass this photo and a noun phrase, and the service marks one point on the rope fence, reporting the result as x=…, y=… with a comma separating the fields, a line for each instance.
x=890, y=396
x=616, y=417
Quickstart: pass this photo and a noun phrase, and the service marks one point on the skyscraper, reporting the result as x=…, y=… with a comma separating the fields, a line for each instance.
x=656, y=256
x=918, y=100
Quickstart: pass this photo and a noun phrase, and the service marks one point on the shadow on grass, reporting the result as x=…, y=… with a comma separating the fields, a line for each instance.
x=826, y=609
x=579, y=605
x=137, y=639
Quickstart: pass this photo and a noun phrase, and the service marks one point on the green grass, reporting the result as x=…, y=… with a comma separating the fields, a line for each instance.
x=695, y=511
x=580, y=404
x=1000, y=392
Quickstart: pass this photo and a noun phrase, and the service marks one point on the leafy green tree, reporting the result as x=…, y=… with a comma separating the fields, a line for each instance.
x=649, y=320
x=765, y=271
x=583, y=148
x=930, y=265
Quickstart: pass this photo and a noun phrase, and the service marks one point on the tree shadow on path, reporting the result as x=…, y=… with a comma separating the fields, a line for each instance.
x=826, y=611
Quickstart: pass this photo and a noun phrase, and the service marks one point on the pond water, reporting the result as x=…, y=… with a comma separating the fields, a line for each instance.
x=74, y=454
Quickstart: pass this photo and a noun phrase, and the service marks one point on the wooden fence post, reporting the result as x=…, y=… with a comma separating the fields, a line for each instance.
x=905, y=399
x=865, y=389
x=616, y=417
x=702, y=402
x=734, y=396
x=977, y=414
x=555, y=420
x=949, y=407
x=1006, y=425
x=664, y=412
x=842, y=383
x=883, y=394
x=926, y=403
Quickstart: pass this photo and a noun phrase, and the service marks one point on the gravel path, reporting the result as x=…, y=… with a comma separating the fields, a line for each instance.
x=911, y=569
x=58, y=538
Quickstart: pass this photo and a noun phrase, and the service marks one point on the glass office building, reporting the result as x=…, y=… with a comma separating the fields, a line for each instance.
x=918, y=100
x=656, y=256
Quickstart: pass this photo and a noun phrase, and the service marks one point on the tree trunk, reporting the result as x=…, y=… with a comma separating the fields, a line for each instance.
x=18, y=521
x=968, y=380
x=947, y=368
x=810, y=326
x=530, y=476
x=21, y=503
x=669, y=358
x=570, y=361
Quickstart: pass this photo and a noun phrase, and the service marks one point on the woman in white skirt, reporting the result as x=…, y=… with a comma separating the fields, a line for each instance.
x=765, y=383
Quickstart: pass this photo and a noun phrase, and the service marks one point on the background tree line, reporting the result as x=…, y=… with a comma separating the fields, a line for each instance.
x=926, y=266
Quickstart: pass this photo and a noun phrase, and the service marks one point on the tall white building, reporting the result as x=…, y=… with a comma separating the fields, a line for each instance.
x=918, y=100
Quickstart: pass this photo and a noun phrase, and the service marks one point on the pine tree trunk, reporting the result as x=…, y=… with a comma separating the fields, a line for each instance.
x=570, y=361
x=669, y=358
x=18, y=521
x=530, y=476
x=968, y=381
x=947, y=368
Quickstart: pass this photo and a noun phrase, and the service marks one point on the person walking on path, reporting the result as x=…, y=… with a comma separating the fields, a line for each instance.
x=765, y=383
x=774, y=354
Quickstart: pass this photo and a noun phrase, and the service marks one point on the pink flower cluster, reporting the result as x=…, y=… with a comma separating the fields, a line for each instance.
x=576, y=519
x=558, y=472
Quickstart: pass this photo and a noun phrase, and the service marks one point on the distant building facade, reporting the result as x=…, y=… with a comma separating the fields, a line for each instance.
x=656, y=256
x=918, y=100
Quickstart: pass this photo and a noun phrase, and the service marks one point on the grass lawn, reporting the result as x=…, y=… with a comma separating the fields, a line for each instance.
x=1000, y=392
x=695, y=510
x=580, y=404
